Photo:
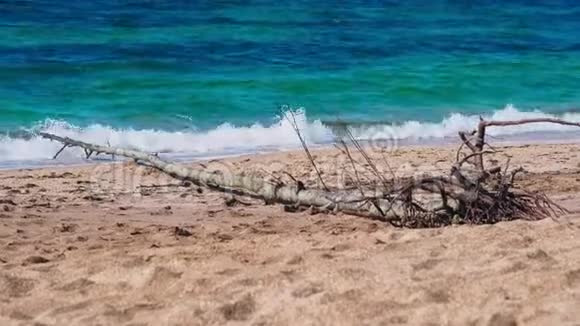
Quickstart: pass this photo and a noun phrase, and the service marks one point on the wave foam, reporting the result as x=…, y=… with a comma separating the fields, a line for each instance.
x=450, y=126
x=231, y=139
x=226, y=138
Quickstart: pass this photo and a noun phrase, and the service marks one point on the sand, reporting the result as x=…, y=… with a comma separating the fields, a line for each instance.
x=101, y=245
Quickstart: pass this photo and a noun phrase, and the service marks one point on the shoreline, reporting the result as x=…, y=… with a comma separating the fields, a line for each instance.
x=545, y=138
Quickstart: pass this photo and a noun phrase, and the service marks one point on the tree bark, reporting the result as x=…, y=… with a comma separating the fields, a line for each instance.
x=345, y=202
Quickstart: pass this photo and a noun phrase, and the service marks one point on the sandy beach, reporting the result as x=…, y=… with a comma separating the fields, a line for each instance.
x=122, y=244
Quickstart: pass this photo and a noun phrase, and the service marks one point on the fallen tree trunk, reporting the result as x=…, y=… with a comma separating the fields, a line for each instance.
x=346, y=202
x=484, y=197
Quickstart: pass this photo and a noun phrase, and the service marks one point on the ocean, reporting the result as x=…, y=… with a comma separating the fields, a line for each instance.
x=195, y=79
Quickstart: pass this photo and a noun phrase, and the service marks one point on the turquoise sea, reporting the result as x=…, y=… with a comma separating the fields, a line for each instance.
x=203, y=78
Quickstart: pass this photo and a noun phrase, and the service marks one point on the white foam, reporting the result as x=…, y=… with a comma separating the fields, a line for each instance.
x=228, y=138
x=450, y=126
x=225, y=138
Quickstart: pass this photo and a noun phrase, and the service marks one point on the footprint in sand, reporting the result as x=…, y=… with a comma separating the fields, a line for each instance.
x=15, y=287
x=163, y=276
x=19, y=315
x=437, y=296
x=541, y=256
x=502, y=319
x=295, y=260
x=228, y=272
x=341, y=247
x=70, y=308
x=240, y=310
x=248, y=282
x=76, y=285
x=426, y=265
x=289, y=275
x=354, y=273
x=307, y=290
x=127, y=314
x=573, y=278
x=33, y=260
x=352, y=295
x=515, y=267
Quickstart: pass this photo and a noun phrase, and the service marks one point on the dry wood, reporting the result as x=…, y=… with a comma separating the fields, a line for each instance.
x=346, y=202
x=487, y=196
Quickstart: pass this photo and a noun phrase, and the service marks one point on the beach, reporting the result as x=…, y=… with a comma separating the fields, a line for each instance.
x=240, y=87
x=119, y=243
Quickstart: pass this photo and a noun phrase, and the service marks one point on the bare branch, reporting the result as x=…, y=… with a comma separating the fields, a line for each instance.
x=346, y=202
x=369, y=161
x=359, y=184
x=60, y=151
x=493, y=123
x=304, y=146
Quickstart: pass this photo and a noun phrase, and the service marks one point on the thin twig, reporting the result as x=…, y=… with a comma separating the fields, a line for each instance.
x=367, y=158
x=304, y=146
x=358, y=183
x=60, y=151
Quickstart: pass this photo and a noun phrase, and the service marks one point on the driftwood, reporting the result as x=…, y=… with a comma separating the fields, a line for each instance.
x=242, y=184
x=465, y=195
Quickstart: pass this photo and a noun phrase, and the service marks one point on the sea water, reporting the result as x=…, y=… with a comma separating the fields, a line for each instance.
x=207, y=78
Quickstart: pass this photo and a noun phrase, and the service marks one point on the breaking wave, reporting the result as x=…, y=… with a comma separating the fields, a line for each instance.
x=228, y=139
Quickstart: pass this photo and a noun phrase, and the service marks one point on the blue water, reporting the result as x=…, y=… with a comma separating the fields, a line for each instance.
x=166, y=74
